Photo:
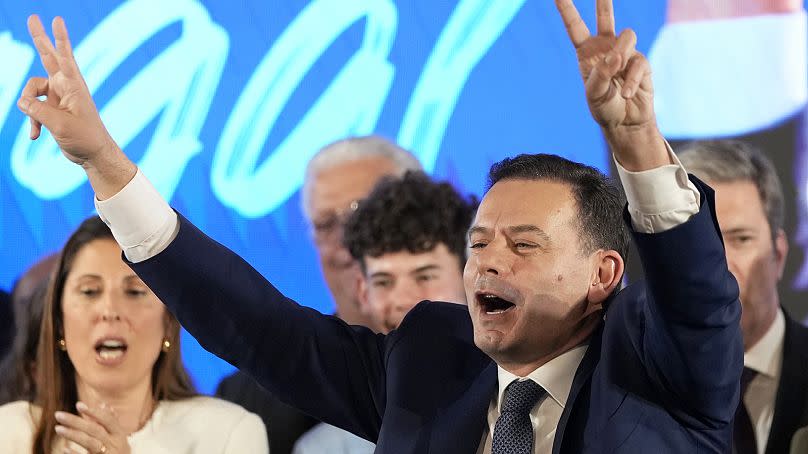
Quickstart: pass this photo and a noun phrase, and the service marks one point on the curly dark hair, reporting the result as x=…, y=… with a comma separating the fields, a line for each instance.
x=412, y=213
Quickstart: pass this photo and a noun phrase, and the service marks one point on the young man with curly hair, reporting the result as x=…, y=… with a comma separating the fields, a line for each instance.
x=409, y=237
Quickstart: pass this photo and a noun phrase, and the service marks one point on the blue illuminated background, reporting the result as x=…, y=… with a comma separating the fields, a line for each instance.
x=222, y=104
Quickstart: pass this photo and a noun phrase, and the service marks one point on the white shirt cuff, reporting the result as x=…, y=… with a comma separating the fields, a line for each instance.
x=729, y=77
x=142, y=222
x=659, y=199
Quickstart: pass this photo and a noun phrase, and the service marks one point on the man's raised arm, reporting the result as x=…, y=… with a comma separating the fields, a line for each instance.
x=317, y=363
x=689, y=322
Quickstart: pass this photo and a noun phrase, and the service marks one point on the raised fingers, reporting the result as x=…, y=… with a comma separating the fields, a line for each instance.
x=44, y=47
x=636, y=76
x=625, y=46
x=599, y=84
x=63, y=47
x=576, y=27
x=35, y=87
x=605, y=17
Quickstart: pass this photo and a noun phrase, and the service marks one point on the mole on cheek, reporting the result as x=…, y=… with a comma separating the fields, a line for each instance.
x=559, y=278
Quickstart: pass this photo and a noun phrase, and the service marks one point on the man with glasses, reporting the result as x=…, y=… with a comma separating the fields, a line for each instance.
x=337, y=178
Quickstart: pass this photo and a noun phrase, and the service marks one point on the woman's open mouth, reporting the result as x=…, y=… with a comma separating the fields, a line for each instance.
x=110, y=351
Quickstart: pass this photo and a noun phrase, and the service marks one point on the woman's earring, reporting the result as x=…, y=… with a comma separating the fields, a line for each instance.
x=166, y=345
x=62, y=345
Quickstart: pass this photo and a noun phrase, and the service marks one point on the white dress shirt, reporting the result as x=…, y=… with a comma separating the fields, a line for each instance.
x=556, y=378
x=658, y=200
x=199, y=425
x=765, y=358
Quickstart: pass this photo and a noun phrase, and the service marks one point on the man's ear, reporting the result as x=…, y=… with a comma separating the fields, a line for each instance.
x=607, y=274
x=780, y=252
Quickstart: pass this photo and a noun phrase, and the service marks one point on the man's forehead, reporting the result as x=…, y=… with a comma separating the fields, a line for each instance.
x=337, y=186
x=525, y=202
x=737, y=200
x=406, y=261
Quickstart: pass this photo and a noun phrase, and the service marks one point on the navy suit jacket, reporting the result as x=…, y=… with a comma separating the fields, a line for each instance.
x=791, y=401
x=660, y=375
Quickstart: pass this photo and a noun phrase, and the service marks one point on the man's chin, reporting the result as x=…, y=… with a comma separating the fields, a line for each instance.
x=493, y=343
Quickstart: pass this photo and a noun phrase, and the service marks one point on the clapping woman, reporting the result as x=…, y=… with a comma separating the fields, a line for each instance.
x=109, y=373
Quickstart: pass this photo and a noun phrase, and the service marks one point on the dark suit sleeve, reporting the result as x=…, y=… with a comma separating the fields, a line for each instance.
x=314, y=362
x=691, y=342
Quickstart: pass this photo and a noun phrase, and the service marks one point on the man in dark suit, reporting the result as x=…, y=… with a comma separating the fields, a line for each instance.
x=750, y=208
x=531, y=365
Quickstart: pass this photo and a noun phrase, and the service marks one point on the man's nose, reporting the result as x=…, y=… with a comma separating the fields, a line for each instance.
x=493, y=259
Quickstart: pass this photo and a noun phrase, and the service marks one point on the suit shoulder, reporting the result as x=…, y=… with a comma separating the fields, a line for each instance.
x=236, y=380
x=450, y=317
x=628, y=299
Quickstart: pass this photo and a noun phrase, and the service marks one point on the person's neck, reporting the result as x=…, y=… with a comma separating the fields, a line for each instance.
x=754, y=335
x=133, y=407
x=522, y=368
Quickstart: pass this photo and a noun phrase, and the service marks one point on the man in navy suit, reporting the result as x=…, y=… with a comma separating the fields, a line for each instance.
x=548, y=357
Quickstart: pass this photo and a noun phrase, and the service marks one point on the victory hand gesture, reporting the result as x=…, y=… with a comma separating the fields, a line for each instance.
x=618, y=86
x=69, y=112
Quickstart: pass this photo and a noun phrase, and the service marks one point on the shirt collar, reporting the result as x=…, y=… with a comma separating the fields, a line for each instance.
x=555, y=376
x=765, y=357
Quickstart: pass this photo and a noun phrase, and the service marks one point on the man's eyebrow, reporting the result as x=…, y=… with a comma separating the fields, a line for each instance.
x=424, y=268
x=737, y=230
x=478, y=229
x=529, y=228
x=516, y=229
x=380, y=274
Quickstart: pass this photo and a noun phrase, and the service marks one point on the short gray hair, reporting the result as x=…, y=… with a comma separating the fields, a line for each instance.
x=355, y=149
x=726, y=161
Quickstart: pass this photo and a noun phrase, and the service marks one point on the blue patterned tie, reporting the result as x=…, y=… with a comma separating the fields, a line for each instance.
x=513, y=433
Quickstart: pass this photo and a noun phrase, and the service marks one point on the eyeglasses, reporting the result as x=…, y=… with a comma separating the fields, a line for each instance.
x=328, y=226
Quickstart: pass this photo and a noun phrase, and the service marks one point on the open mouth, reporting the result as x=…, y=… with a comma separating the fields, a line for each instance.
x=492, y=304
x=110, y=349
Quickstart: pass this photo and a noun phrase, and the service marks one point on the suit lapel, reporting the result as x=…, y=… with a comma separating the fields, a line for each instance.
x=580, y=385
x=459, y=428
x=790, y=402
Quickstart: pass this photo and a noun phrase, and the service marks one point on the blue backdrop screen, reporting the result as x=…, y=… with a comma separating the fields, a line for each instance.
x=221, y=104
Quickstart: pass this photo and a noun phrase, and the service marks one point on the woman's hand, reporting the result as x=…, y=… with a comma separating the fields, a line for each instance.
x=97, y=430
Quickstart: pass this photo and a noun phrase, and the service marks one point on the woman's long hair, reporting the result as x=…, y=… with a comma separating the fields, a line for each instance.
x=17, y=370
x=56, y=376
